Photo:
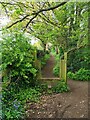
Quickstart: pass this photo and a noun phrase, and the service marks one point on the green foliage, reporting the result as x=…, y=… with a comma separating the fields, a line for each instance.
x=81, y=74
x=12, y=108
x=43, y=56
x=56, y=70
x=19, y=75
x=67, y=26
x=14, y=99
x=44, y=59
x=60, y=87
x=42, y=88
x=18, y=59
x=79, y=59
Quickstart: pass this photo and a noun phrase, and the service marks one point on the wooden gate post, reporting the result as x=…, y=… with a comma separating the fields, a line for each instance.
x=63, y=67
x=65, y=58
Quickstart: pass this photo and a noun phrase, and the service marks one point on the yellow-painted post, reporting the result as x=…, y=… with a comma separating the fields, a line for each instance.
x=63, y=67
x=65, y=55
x=65, y=58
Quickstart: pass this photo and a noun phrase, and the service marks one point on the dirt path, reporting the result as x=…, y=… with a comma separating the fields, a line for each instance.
x=47, y=71
x=73, y=104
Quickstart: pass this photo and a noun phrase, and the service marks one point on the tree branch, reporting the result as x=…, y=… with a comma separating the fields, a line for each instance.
x=76, y=48
x=47, y=9
x=31, y=20
x=48, y=20
x=51, y=8
x=17, y=21
x=35, y=13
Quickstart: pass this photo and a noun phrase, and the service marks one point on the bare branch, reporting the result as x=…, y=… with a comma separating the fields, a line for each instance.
x=31, y=20
x=17, y=21
x=51, y=8
x=35, y=13
x=47, y=9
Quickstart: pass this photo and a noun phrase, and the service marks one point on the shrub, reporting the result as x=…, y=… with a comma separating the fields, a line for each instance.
x=40, y=53
x=82, y=74
x=19, y=75
x=60, y=87
x=56, y=70
x=18, y=59
x=14, y=99
x=79, y=59
x=44, y=59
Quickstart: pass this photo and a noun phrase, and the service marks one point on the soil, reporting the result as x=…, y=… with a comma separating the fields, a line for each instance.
x=73, y=104
x=47, y=71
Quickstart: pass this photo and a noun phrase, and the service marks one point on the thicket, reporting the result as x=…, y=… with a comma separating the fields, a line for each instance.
x=19, y=81
x=18, y=59
x=43, y=56
x=79, y=64
x=79, y=58
x=18, y=75
x=82, y=75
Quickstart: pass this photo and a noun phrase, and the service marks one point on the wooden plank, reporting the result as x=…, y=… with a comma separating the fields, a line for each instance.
x=50, y=78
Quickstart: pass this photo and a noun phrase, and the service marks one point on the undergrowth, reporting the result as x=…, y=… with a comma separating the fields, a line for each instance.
x=82, y=75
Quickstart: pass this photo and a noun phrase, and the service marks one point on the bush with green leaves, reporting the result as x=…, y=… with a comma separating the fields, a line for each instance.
x=60, y=87
x=18, y=59
x=44, y=59
x=79, y=58
x=56, y=70
x=19, y=75
x=82, y=75
x=14, y=99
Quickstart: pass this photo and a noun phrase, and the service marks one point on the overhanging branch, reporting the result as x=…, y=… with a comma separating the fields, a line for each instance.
x=31, y=20
x=17, y=21
x=48, y=20
x=47, y=9
x=37, y=13
x=51, y=8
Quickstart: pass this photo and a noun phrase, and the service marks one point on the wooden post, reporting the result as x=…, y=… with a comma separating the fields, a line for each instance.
x=65, y=58
x=63, y=67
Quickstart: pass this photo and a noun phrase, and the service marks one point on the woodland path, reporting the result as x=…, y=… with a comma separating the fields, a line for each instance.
x=73, y=104
x=47, y=71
